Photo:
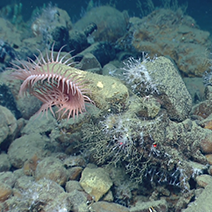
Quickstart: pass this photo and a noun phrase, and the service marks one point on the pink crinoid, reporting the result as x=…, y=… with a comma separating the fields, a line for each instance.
x=54, y=82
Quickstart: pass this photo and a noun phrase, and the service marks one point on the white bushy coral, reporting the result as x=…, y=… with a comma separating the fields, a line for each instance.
x=120, y=128
x=138, y=76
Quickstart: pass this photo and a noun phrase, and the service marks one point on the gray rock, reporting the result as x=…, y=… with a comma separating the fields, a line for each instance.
x=111, y=23
x=42, y=125
x=108, y=207
x=72, y=185
x=109, y=69
x=77, y=41
x=203, y=201
x=8, y=178
x=79, y=200
x=90, y=63
x=25, y=147
x=103, y=51
x=159, y=205
x=33, y=195
x=4, y=162
x=8, y=125
x=172, y=91
x=24, y=107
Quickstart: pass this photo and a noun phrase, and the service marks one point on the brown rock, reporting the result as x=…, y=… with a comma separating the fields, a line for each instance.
x=168, y=32
x=74, y=173
x=203, y=109
x=74, y=161
x=206, y=144
x=210, y=171
x=208, y=125
x=207, y=122
x=5, y=192
x=30, y=165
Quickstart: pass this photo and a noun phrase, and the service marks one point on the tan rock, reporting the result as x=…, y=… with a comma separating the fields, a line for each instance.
x=209, y=158
x=203, y=180
x=105, y=91
x=210, y=170
x=96, y=182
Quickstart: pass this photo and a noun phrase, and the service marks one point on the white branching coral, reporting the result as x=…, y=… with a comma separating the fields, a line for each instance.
x=138, y=76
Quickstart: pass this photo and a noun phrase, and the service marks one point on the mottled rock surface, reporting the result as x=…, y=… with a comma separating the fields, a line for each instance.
x=25, y=147
x=8, y=125
x=202, y=202
x=172, y=91
x=96, y=182
x=4, y=162
x=51, y=168
x=172, y=33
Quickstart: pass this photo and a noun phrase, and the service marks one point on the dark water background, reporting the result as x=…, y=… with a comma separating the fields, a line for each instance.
x=200, y=10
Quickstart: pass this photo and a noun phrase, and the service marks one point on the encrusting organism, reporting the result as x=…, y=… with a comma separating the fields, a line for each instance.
x=53, y=81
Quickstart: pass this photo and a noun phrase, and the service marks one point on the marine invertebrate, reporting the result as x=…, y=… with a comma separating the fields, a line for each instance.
x=138, y=76
x=54, y=82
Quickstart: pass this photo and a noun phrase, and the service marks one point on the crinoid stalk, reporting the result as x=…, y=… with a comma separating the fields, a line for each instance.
x=53, y=81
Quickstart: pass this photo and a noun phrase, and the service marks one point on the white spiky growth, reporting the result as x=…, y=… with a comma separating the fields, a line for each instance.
x=138, y=76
